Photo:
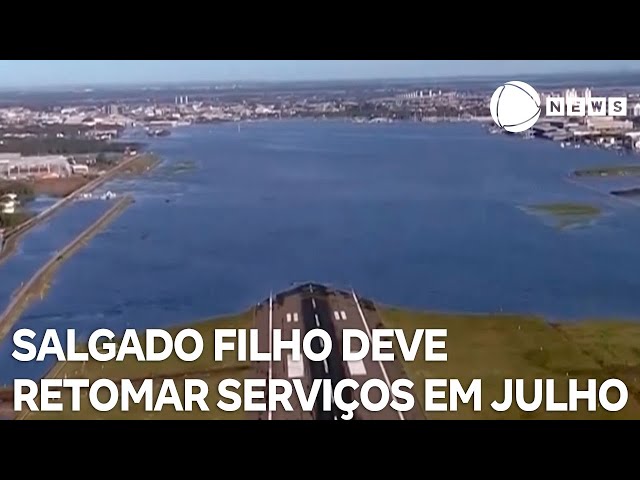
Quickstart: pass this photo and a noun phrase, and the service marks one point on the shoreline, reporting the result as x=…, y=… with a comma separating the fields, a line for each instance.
x=39, y=282
x=537, y=347
x=13, y=235
x=573, y=143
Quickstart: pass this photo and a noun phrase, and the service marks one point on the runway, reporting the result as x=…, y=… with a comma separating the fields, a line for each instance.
x=281, y=312
x=313, y=306
x=315, y=312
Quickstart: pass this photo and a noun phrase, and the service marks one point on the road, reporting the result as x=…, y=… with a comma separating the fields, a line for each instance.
x=312, y=306
x=14, y=233
x=8, y=317
x=350, y=312
x=315, y=312
x=303, y=309
x=278, y=313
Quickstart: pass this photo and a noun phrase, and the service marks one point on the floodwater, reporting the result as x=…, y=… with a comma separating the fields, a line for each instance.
x=423, y=216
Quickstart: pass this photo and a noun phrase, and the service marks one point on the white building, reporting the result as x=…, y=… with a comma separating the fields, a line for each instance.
x=15, y=165
x=4, y=167
x=634, y=137
x=609, y=124
x=7, y=206
x=80, y=169
x=570, y=94
x=636, y=110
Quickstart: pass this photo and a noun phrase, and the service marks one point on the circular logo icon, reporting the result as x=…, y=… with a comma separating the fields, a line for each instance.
x=515, y=106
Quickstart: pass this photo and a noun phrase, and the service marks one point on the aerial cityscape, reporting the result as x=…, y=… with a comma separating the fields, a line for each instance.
x=50, y=142
x=330, y=204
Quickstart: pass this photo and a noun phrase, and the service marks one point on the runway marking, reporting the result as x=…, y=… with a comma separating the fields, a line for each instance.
x=317, y=320
x=313, y=302
x=384, y=370
x=288, y=318
x=336, y=315
x=326, y=366
x=357, y=368
x=295, y=369
x=270, y=413
x=295, y=317
x=343, y=315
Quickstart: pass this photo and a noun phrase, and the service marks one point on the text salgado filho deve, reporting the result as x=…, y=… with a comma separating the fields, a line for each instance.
x=259, y=395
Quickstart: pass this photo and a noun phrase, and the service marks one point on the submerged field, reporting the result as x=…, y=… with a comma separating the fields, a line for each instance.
x=489, y=347
x=173, y=368
x=609, y=171
x=565, y=215
x=567, y=208
x=414, y=215
x=495, y=347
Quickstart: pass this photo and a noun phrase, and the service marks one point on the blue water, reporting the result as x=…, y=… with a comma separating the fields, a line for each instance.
x=41, y=203
x=40, y=243
x=425, y=216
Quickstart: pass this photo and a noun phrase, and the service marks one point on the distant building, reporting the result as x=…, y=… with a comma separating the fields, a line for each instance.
x=7, y=206
x=79, y=169
x=636, y=110
x=544, y=130
x=17, y=166
x=634, y=137
x=609, y=124
x=113, y=110
x=4, y=167
x=570, y=94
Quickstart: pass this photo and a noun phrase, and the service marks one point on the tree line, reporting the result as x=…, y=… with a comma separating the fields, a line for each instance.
x=23, y=190
x=62, y=146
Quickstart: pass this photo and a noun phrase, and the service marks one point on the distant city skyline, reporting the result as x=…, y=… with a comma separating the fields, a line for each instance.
x=60, y=73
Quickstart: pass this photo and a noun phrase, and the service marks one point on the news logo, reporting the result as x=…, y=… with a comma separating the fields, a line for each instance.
x=516, y=107
x=590, y=107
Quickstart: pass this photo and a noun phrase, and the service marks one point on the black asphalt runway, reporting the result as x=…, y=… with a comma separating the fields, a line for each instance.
x=316, y=314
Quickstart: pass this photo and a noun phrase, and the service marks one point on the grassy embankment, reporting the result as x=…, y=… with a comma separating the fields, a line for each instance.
x=62, y=187
x=614, y=171
x=183, y=166
x=567, y=209
x=495, y=347
x=566, y=214
x=39, y=284
x=24, y=193
x=65, y=188
x=489, y=347
x=627, y=193
x=204, y=368
x=142, y=164
x=609, y=171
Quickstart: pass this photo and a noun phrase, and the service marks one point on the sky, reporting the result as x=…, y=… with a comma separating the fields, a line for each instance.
x=42, y=73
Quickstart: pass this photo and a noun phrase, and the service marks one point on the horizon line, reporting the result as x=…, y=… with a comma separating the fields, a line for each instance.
x=408, y=78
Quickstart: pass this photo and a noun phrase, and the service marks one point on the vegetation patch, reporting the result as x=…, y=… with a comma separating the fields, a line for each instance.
x=495, y=347
x=567, y=209
x=612, y=171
